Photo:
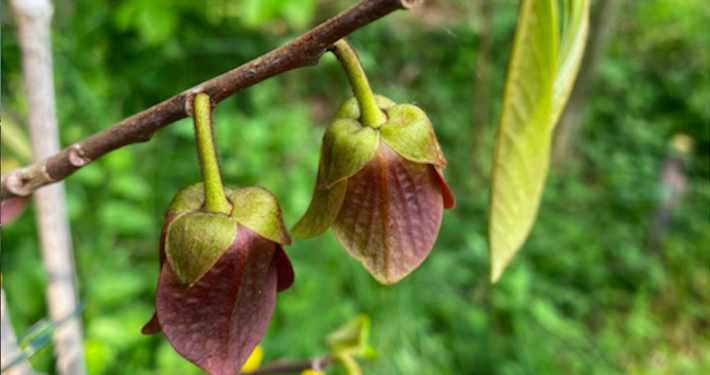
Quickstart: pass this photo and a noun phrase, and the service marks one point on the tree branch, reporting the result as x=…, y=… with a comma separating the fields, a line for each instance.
x=303, y=51
x=282, y=367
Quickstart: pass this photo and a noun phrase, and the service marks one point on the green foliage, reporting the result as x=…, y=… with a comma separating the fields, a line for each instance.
x=539, y=80
x=586, y=296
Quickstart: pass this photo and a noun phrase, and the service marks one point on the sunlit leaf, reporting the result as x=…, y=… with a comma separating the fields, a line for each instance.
x=572, y=43
x=540, y=76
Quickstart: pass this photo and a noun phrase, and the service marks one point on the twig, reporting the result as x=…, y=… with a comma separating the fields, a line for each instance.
x=8, y=343
x=33, y=20
x=283, y=367
x=303, y=51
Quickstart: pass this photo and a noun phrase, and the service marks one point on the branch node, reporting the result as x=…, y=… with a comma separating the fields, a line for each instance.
x=77, y=157
x=16, y=184
x=316, y=366
x=45, y=173
x=190, y=100
x=409, y=4
x=143, y=137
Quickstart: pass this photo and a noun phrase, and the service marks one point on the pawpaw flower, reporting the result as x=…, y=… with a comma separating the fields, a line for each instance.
x=219, y=276
x=380, y=187
x=221, y=264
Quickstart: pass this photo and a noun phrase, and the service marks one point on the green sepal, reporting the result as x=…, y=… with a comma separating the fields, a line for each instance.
x=347, y=147
x=195, y=241
x=321, y=213
x=351, y=109
x=352, y=338
x=257, y=209
x=409, y=132
x=188, y=199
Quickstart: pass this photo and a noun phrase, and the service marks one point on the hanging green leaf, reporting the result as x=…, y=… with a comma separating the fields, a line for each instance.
x=574, y=38
x=540, y=76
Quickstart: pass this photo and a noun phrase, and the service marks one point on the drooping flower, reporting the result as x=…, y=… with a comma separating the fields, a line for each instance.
x=381, y=188
x=219, y=276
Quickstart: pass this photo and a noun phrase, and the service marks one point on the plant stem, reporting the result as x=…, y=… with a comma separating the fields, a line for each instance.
x=279, y=367
x=215, y=200
x=305, y=50
x=370, y=113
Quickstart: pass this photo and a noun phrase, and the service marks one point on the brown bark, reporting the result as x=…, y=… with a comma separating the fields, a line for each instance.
x=282, y=367
x=303, y=51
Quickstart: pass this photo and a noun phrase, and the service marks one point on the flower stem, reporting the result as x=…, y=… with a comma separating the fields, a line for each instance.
x=215, y=200
x=371, y=115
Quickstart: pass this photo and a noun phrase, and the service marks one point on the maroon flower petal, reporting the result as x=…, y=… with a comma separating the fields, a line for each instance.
x=391, y=215
x=284, y=269
x=217, y=323
x=153, y=326
x=449, y=201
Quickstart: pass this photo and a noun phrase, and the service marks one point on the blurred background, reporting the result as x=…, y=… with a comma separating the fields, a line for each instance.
x=614, y=278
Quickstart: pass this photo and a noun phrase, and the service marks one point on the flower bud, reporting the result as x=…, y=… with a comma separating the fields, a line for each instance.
x=219, y=276
x=381, y=189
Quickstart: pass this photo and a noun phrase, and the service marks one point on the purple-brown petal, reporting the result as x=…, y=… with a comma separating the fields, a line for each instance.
x=153, y=326
x=391, y=215
x=283, y=268
x=449, y=201
x=217, y=323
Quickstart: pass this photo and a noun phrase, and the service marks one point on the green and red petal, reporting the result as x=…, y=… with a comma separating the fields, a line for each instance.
x=391, y=215
x=217, y=322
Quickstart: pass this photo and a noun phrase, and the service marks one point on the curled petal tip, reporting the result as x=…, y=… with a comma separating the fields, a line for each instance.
x=449, y=201
x=284, y=269
x=152, y=327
